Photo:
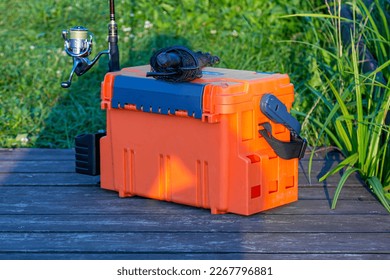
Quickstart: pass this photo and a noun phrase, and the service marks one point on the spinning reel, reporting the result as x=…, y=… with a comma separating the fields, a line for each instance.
x=78, y=45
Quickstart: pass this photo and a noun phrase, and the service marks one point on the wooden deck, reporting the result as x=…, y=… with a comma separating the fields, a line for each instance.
x=49, y=212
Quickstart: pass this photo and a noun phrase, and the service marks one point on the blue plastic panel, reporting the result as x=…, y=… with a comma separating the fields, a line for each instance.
x=150, y=95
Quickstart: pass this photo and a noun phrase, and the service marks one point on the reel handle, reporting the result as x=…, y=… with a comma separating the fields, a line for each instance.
x=65, y=84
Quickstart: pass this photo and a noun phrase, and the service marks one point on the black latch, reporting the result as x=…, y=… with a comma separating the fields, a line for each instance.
x=276, y=111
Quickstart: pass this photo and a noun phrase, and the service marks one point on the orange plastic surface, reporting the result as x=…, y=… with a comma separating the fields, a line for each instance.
x=220, y=162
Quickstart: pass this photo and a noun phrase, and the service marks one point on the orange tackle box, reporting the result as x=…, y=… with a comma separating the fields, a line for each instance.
x=196, y=143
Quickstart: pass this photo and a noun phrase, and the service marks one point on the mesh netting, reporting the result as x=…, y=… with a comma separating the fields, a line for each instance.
x=179, y=64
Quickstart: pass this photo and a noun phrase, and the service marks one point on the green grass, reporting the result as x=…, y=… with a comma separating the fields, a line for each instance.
x=351, y=102
x=36, y=112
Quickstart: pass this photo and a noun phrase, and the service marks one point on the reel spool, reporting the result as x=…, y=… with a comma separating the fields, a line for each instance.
x=78, y=41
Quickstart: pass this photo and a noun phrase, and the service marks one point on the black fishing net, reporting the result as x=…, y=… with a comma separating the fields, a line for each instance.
x=179, y=64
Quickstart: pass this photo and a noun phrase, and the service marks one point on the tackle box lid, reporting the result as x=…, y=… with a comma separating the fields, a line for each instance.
x=130, y=88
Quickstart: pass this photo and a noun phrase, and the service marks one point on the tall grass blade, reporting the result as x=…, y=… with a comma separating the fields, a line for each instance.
x=379, y=192
x=349, y=161
x=348, y=172
x=343, y=134
x=321, y=125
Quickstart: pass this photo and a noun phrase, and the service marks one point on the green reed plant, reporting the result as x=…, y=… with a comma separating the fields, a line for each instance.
x=352, y=91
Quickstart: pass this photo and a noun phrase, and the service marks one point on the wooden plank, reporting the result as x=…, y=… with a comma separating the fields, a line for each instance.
x=347, y=193
x=65, y=176
x=188, y=242
x=50, y=163
x=34, y=154
x=87, y=202
x=323, y=162
x=47, y=178
x=43, y=153
x=68, y=154
x=62, y=161
x=37, y=166
x=93, y=190
x=68, y=166
x=92, y=187
x=194, y=222
x=111, y=204
x=57, y=199
x=319, y=168
x=353, y=180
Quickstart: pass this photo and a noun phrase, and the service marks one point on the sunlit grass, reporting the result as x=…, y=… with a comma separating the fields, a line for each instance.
x=34, y=108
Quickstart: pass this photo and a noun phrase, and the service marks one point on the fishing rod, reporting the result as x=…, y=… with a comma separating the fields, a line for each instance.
x=78, y=43
x=113, y=62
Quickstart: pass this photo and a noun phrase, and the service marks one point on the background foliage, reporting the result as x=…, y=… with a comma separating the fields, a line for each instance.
x=36, y=111
x=350, y=91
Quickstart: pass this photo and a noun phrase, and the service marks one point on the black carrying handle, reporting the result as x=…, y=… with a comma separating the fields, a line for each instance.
x=276, y=111
x=287, y=150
